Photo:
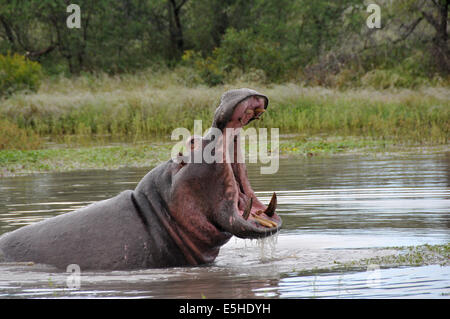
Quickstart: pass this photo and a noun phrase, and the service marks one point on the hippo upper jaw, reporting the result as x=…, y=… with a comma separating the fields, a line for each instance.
x=242, y=213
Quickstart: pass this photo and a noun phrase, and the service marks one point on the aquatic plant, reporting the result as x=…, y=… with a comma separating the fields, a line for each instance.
x=408, y=256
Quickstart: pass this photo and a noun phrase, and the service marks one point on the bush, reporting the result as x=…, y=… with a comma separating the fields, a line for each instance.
x=384, y=79
x=243, y=55
x=208, y=69
x=17, y=73
x=248, y=51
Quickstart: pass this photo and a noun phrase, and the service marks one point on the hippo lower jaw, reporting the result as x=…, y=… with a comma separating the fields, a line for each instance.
x=249, y=217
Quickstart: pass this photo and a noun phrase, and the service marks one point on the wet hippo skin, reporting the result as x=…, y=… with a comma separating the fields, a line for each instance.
x=180, y=213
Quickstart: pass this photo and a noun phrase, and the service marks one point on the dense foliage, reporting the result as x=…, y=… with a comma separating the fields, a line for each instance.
x=18, y=73
x=317, y=42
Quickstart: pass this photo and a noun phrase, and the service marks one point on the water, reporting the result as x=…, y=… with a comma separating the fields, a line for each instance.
x=334, y=210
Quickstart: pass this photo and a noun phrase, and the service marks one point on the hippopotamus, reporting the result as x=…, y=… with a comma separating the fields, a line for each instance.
x=180, y=213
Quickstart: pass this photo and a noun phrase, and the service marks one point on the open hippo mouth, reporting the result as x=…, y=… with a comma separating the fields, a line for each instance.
x=249, y=218
x=180, y=213
x=257, y=219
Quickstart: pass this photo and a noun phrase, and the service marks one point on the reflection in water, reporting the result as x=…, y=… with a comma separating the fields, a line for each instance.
x=333, y=209
x=413, y=282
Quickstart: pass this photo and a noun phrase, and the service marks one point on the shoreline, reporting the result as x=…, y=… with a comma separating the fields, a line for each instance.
x=114, y=156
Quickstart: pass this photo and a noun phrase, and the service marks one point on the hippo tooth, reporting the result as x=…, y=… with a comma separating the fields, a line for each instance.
x=248, y=209
x=260, y=110
x=265, y=222
x=272, y=205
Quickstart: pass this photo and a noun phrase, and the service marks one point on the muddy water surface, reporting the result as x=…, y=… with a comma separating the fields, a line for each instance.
x=334, y=210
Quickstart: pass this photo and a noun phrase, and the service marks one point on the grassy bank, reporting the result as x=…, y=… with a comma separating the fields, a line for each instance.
x=19, y=162
x=144, y=106
x=88, y=156
x=85, y=114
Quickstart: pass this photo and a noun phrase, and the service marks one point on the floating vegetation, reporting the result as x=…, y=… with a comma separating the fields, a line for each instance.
x=407, y=256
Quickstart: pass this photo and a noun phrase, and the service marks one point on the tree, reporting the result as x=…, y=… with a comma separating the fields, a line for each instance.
x=414, y=13
x=16, y=20
x=440, y=48
x=175, y=27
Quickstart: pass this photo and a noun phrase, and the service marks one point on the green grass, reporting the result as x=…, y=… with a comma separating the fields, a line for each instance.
x=14, y=162
x=402, y=116
x=88, y=112
x=142, y=107
x=14, y=137
x=150, y=153
x=332, y=145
